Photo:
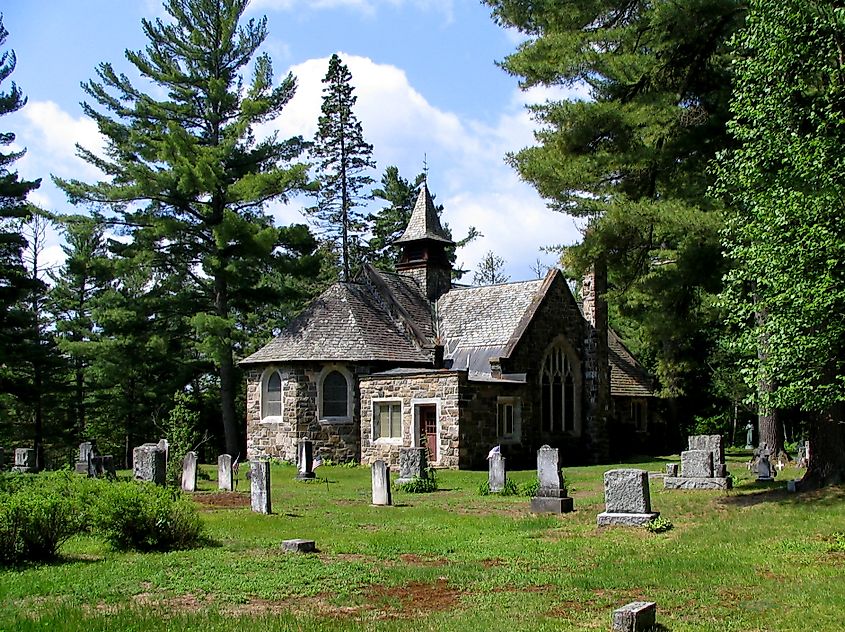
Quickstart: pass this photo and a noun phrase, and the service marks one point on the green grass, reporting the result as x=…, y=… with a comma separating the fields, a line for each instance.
x=755, y=558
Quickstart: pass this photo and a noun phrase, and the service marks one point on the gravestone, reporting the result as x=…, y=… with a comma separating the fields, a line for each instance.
x=551, y=495
x=100, y=466
x=627, y=498
x=702, y=466
x=712, y=443
x=749, y=436
x=638, y=616
x=225, y=475
x=305, y=460
x=299, y=545
x=764, y=464
x=149, y=463
x=24, y=460
x=86, y=451
x=381, y=483
x=412, y=464
x=496, y=473
x=259, y=478
x=671, y=469
x=189, y=472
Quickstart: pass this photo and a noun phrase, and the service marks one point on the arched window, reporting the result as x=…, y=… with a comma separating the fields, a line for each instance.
x=335, y=395
x=559, y=386
x=271, y=400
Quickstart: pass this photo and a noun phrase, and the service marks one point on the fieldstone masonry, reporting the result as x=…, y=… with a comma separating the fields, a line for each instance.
x=496, y=473
x=225, y=475
x=412, y=464
x=259, y=478
x=189, y=472
x=381, y=483
x=149, y=463
x=627, y=499
x=551, y=496
x=702, y=466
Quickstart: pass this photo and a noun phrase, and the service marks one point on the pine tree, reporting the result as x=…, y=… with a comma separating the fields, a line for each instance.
x=490, y=270
x=632, y=161
x=15, y=282
x=343, y=157
x=785, y=231
x=186, y=172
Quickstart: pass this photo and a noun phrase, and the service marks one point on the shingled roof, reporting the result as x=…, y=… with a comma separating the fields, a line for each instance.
x=627, y=377
x=424, y=222
x=348, y=322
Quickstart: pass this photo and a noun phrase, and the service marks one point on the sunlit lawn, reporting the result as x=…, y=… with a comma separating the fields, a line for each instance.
x=756, y=558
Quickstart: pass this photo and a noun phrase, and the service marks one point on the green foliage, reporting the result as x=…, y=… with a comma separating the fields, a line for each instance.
x=837, y=542
x=420, y=484
x=659, y=525
x=530, y=488
x=180, y=430
x=510, y=488
x=146, y=517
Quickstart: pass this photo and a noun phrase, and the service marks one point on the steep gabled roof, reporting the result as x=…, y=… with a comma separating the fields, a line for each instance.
x=424, y=222
x=348, y=322
x=627, y=377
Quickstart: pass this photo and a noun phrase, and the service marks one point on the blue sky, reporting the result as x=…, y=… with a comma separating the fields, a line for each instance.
x=424, y=72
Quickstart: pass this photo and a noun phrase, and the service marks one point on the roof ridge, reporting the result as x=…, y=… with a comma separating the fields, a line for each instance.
x=424, y=222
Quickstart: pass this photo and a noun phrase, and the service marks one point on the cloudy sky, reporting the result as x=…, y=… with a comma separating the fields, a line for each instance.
x=424, y=72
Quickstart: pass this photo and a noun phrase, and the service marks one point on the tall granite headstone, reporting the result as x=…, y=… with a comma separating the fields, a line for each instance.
x=714, y=445
x=627, y=498
x=189, y=472
x=412, y=464
x=149, y=463
x=381, y=483
x=702, y=465
x=764, y=464
x=259, y=478
x=225, y=475
x=551, y=495
x=86, y=451
x=305, y=460
x=496, y=472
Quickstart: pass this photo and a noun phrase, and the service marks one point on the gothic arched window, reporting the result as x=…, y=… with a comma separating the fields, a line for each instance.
x=559, y=387
x=271, y=401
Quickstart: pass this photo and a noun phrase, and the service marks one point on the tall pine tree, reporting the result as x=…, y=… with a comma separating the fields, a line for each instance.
x=186, y=172
x=343, y=158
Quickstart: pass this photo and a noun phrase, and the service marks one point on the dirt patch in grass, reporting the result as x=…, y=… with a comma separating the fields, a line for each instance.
x=411, y=599
x=418, y=560
x=222, y=500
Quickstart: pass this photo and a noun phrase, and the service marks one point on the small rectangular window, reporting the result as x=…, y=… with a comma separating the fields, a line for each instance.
x=387, y=419
x=508, y=413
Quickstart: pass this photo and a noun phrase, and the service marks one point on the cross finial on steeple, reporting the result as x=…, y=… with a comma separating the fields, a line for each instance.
x=425, y=168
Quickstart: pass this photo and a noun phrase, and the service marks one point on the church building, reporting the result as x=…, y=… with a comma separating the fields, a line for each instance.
x=406, y=358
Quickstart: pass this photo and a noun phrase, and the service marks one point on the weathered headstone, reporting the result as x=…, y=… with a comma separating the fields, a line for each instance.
x=165, y=446
x=149, y=463
x=86, y=451
x=412, y=464
x=25, y=460
x=712, y=443
x=702, y=466
x=189, y=472
x=299, y=545
x=551, y=495
x=259, y=478
x=225, y=475
x=381, y=483
x=627, y=498
x=496, y=472
x=305, y=460
x=764, y=465
x=638, y=616
x=671, y=469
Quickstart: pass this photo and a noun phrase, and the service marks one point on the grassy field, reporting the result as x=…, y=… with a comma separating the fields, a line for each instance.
x=755, y=558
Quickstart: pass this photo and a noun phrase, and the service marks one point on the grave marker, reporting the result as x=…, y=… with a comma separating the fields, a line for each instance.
x=551, y=495
x=305, y=460
x=189, y=472
x=412, y=464
x=259, y=478
x=638, y=616
x=225, y=475
x=627, y=498
x=381, y=484
x=149, y=463
x=496, y=472
x=24, y=460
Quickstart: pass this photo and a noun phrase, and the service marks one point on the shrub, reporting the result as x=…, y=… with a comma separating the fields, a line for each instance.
x=180, y=431
x=659, y=525
x=420, y=484
x=510, y=488
x=530, y=488
x=837, y=542
x=145, y=517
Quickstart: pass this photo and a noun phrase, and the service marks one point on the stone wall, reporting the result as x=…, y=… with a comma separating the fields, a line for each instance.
x=277, y=438
x=441, y=388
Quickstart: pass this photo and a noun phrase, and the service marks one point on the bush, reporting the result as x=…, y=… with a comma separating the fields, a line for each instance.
x=145, y=517
x=420, y=484
x=530, y=488
x=659, y=525
x=36, y=517
x=180, y=431
x=510, y=488
x=837, y=542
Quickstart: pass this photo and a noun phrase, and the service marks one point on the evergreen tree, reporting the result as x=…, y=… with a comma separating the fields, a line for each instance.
x=632, y=161
x=187, y=173
x=490, y=270
x=343, y=157
x=15, y=282
x=785, y=233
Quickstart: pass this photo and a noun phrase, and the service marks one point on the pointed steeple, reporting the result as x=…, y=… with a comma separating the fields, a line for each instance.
x=424, y=222
x=424, y=244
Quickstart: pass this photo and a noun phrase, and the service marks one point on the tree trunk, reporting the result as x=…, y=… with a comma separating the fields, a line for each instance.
x=228, y=381
x=769, y=425
x=599, y=435
x=827, y=449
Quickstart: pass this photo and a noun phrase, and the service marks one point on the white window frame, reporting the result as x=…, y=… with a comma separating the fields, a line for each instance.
x=329, y=368
x=263, y=403
x=374, y=434
x=515, y=404
x=416, y=431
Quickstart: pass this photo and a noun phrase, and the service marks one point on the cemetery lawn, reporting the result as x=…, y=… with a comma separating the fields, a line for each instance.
x=755, y=558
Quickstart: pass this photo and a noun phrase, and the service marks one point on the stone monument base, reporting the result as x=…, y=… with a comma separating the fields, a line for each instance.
x=23, y=469
x=305, y=476
x=695, y=482
x=606, y=519
x=548, y=504
x=765, y=479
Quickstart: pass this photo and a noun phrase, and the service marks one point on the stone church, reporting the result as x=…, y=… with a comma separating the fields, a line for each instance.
x=407, y=359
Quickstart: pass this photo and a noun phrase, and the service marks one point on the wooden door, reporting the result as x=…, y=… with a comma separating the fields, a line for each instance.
x=428, y=425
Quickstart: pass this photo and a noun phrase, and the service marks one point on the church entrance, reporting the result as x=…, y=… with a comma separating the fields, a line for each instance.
x=428, y=427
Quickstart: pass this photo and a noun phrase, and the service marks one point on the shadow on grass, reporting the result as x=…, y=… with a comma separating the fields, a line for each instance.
x=775, y=492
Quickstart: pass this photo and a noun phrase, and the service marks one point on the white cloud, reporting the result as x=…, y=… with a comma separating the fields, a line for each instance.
x=366, y=7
